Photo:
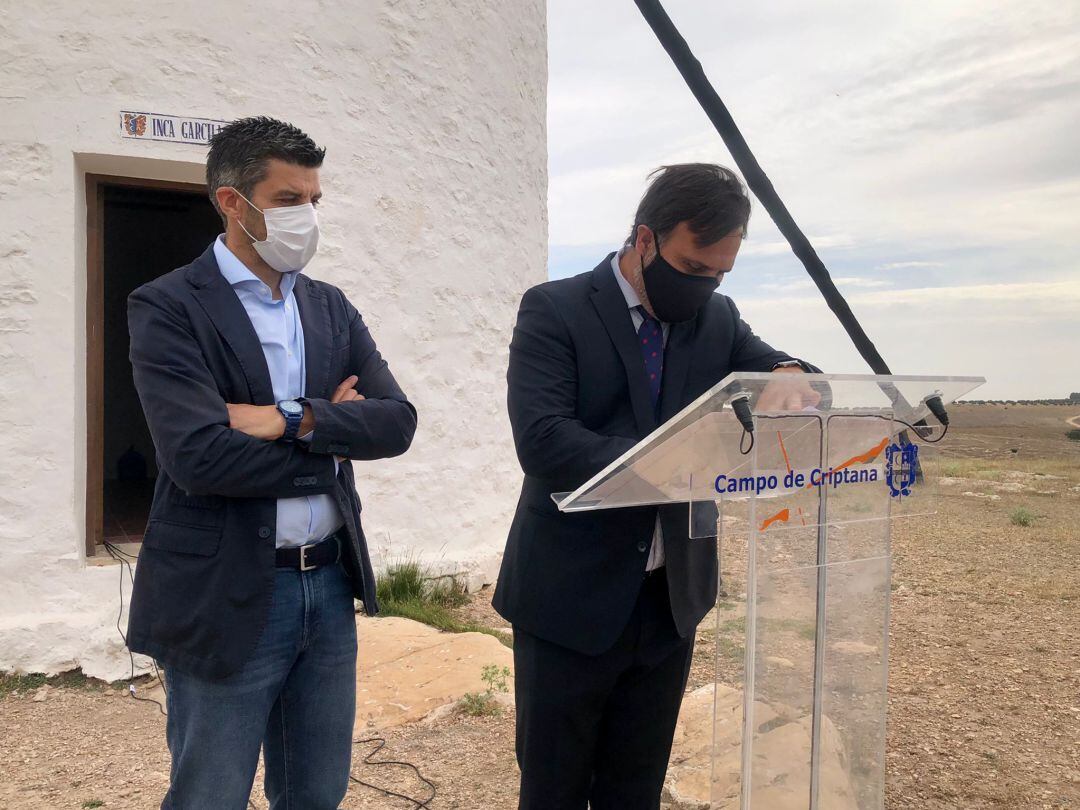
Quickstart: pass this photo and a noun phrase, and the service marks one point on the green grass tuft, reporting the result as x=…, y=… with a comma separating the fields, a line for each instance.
x=736, y=626
x=479, y=705
x=730, y=650
x=484, y=704
x=20, y=683
x=407, y=590
x=409, y=582
x=1021, y=517
x=72, y=679
x=1074, y=435
x=952, y=469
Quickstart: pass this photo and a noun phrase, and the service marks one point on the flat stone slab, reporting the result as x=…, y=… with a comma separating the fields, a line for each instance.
x=406, y=670
x=784, y=777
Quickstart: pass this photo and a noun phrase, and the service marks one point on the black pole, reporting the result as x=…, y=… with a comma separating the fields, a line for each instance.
x=756, y=179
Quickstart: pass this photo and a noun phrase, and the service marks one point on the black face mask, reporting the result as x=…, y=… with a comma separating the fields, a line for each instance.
x=675, y=296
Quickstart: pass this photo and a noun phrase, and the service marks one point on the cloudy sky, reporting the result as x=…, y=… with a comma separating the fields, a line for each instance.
x=930, y=150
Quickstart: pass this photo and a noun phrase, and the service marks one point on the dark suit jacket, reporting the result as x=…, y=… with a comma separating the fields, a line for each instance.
x=578, y=399
x=206, y=569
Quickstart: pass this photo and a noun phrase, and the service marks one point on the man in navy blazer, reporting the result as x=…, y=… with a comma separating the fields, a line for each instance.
x=260, y=387
x=605, y=604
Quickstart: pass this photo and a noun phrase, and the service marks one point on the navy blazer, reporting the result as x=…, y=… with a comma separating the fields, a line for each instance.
x=578, y=399
x=205, y=573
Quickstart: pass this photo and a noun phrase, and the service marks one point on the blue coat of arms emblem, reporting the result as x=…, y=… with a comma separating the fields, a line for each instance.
x=901, y=463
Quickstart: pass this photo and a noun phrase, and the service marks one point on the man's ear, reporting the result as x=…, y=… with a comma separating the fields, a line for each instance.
x=230, y=203
x=644, y=243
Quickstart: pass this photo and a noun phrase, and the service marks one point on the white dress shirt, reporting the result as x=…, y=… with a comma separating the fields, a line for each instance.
x=656, y=552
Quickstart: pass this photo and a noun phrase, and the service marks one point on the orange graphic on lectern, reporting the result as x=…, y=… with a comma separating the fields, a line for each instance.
x=780, y=517
x=784, y=515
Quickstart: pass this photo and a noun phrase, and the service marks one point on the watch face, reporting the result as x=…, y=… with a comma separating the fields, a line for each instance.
x=291, y=407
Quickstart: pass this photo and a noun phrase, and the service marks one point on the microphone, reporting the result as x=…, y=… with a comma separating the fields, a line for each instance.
x=740, y=405
x=937, y=408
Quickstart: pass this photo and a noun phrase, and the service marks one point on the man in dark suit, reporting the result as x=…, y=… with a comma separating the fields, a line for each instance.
x=605, y=604
x=260, y=386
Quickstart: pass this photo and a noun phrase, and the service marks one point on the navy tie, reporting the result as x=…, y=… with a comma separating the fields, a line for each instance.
x=651, y=338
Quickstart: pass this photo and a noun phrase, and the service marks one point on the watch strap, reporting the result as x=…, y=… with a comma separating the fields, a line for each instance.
x=292, y=423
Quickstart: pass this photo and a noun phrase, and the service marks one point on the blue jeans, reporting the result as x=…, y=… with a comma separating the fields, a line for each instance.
x=296, y=697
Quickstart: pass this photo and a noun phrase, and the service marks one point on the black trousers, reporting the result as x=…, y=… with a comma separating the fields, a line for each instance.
x=595, y=731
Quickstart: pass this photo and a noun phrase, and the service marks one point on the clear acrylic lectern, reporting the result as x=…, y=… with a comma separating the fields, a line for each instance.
x=810, y=502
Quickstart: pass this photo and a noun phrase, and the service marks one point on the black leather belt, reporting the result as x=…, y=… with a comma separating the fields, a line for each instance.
x=311, y=556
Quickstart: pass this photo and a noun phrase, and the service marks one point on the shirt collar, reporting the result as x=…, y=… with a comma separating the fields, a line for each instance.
x=237, y=273
x=628, y=292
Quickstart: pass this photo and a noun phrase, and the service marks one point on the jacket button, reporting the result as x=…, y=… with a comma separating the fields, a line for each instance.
x=264, y=532
x=642, y=546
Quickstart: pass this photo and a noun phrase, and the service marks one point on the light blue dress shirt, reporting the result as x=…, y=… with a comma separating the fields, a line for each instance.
x=277, y=323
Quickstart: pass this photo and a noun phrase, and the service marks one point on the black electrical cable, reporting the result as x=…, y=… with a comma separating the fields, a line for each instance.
x=380, y=744
x=740, y=406
x=918, y=430
x=122, y=558
x=742, y=441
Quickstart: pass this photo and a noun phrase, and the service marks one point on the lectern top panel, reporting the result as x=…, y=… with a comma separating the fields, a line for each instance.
x=704, y=438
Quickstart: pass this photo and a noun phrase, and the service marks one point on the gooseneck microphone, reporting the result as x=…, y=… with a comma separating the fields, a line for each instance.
x=937, y=408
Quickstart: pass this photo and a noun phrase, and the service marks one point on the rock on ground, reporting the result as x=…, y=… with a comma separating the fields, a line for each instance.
x=783, y=785
x=406, y=670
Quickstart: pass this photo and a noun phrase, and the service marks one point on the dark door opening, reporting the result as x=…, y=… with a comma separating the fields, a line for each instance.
x=138, y=230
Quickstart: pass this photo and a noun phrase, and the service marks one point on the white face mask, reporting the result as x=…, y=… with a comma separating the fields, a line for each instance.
x=292, y=236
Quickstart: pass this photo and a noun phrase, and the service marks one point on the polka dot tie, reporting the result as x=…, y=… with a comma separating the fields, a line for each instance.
x=651, y=340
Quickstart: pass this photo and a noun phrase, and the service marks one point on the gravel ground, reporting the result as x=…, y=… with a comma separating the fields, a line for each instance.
x=984, y=692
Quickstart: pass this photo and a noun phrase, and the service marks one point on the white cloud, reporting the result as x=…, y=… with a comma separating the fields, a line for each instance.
x=909, y=265
x=794, y=285
x=858, y=281
x=753, y=247
x=1061, y=295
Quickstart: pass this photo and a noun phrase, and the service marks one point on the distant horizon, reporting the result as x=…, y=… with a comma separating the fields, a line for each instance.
x=1062, y=402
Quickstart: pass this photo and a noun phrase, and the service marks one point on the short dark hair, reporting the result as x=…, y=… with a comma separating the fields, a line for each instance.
x=240, y=151
x=710, y=199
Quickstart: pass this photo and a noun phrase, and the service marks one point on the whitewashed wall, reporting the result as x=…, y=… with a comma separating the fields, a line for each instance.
x=433, y=114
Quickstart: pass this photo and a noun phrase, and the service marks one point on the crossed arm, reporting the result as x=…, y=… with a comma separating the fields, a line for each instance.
x=211, y=447
x=266, y=422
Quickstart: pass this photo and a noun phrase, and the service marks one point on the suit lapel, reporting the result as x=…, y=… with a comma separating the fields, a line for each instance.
x=315, y=318
x=231, y=320
x=677, y=353
x=611, y=306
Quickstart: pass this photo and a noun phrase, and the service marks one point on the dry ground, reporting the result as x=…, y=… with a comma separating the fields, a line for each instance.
x=984, y=695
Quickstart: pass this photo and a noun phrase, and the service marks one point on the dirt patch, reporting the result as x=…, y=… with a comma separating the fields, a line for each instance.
x=479, y=611
x=984, y=694
x=77, y=748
